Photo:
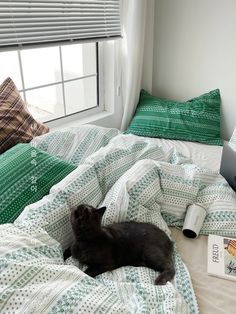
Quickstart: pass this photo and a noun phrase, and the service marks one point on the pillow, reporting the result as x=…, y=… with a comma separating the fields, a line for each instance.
x=27, y=174
x=17, y=125
x=196, y=120
x=74, y=144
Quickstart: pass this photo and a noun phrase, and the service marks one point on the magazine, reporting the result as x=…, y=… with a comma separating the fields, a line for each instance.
x=222, y=257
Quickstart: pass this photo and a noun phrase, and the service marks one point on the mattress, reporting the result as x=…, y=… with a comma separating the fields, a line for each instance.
x=214, y=295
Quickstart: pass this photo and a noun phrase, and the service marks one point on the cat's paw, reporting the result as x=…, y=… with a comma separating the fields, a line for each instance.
x=91, y=271
x=94, y=271
x=160, y=281
x=167, y=275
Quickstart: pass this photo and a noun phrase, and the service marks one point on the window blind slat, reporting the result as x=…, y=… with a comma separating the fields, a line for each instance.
x=54, y=21
x=18, y=11
x=22, y=3
x=53, y=38
x=56, y=4
x=27, y=2
x=28, y=26
x=35, y=21
x=56, y=30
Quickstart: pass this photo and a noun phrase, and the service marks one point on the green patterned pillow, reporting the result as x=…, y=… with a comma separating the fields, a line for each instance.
x=196, y=120
x=27, y=174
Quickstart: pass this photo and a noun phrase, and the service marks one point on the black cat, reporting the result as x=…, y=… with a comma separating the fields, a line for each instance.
x=104, y=248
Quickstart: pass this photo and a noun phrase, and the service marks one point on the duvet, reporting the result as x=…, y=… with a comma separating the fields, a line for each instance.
x=136, y=180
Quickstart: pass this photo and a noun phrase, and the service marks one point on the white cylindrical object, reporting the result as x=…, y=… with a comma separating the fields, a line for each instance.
x=193, y=221
x=232, y=141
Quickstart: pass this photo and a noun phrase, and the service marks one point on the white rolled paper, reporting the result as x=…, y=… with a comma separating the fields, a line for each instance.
x=193, y=221
x=232, y=141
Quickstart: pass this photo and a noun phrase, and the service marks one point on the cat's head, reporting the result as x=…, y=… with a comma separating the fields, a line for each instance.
x=84, y=216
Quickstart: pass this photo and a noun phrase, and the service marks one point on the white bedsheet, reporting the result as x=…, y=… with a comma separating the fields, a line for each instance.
x=207, y=156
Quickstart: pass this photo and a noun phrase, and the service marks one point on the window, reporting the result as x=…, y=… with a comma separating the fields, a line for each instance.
x=57, y=81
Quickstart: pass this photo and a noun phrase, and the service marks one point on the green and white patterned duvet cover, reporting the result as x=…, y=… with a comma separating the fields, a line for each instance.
x=136, y=180
x=74, y=144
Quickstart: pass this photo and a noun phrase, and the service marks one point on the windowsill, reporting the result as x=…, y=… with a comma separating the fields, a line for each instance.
x=92, y=119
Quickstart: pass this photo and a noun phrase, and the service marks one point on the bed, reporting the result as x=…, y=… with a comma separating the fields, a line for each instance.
x=131, y=175
x=167, y=159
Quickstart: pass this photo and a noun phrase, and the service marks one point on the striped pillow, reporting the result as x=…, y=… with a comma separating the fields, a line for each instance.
x=17, y=125
x=196, y=120
x=27, y=174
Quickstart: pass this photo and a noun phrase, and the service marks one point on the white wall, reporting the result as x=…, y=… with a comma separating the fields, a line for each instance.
x=195, y=52
x=148, y=47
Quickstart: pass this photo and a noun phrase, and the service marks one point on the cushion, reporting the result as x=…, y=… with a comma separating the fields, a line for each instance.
x=17, y=124
x=27, y=174
x=196, y=120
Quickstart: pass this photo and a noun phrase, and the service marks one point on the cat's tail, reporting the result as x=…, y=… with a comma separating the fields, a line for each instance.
x=167, y=274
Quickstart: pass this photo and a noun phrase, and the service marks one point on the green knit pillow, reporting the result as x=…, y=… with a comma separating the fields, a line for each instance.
x=196, y=120
x=27, y=174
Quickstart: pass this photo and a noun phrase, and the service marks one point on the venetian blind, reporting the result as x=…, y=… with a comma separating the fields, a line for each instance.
x=30, y=22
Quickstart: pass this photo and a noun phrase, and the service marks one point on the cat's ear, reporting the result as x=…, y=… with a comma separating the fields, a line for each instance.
x=101, y=210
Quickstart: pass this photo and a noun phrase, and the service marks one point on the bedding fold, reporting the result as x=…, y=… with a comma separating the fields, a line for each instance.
x=136, y=180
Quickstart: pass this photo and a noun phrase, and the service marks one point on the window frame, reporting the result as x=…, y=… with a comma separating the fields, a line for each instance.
x=110, y=111
x=62, y=82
